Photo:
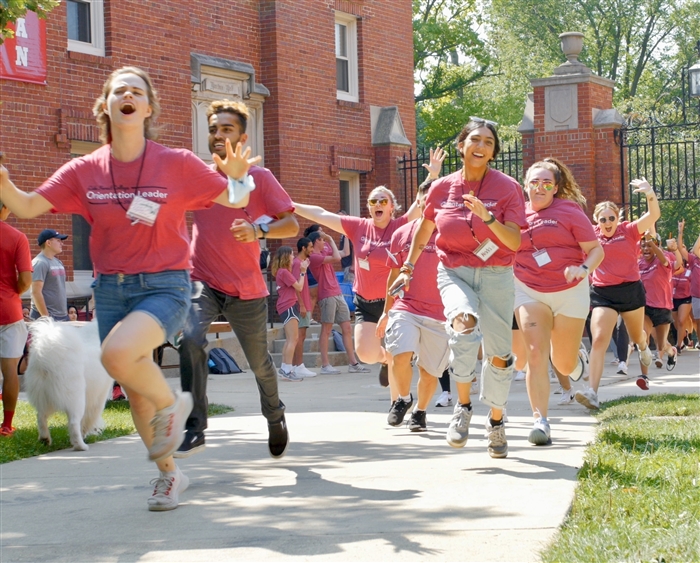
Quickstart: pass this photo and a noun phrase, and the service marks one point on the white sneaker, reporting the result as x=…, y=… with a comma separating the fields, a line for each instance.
x=583, y=354
x=302, y=371
x=622, y=368
x=567, y=397
x=645, y=357
x=167, y=489
x=329, y=370
x=588, y=398
x=475, y=387
x=559, y=390
x=519, y=375
x=540, y=433
x=358, y=368
x=288, y=375
x=444, y=400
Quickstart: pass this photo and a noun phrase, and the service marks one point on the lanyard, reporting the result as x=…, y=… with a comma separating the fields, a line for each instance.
x=138, y=179
x=381, y=240
x=464, y=207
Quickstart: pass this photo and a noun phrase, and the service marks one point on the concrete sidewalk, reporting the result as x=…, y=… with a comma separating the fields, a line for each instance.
x=351, y=488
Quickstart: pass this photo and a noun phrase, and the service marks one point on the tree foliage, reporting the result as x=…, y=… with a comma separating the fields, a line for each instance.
x=10, y=10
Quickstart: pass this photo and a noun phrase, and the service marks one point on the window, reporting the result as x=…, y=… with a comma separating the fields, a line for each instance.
x=350, y=193
x=346, y=57
x=86, y=26
x=82, y=263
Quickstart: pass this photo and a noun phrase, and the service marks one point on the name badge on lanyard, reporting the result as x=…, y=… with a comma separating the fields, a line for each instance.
x=541, y=257
x=364, y=263
x=143, y=211
x=486, y=249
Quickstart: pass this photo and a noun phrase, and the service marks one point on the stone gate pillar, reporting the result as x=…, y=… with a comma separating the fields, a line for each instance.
x=570, y=116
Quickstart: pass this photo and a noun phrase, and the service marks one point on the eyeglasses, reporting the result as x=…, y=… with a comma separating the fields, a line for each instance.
x=382, y=202
x=482, y=120
x=546, y=184
x=609, y=219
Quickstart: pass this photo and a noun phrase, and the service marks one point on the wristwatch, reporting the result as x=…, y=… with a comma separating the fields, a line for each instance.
x=264, y=229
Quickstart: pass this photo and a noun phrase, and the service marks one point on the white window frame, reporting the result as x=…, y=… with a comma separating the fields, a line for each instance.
x=97, y=31
x=353, y=178
x=350, y=23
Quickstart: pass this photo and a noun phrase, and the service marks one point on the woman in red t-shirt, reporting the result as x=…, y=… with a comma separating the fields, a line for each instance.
x=616, y=288
x=558, y=251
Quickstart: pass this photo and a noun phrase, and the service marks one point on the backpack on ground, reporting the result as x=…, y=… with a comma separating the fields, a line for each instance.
x=220, y=361
x=338, y=341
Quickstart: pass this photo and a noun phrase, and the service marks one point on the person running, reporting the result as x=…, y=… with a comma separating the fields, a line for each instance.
x=616, y=288
x=134, y=193
x=478, y=213
x=558, y=251
x=682, y=300
x=694, y=267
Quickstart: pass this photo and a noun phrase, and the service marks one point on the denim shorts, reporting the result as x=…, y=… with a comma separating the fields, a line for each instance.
x=165, y=296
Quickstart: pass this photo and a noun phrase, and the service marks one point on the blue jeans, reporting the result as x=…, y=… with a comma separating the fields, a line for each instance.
x=165, y=296
x=248, y=320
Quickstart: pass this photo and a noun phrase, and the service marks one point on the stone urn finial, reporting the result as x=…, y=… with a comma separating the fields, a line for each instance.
x=571, y=44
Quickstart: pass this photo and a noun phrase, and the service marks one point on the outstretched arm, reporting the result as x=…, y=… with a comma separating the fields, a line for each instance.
x=319, y=215
x=23, y=205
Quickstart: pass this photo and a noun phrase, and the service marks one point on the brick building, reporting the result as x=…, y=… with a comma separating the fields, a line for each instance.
x=329, y=84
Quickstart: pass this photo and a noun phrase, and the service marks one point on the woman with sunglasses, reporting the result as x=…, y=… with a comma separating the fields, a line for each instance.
x=559, y=249
x=371, y=238
x=135, y=193
x=616, y=287
x=478, y=213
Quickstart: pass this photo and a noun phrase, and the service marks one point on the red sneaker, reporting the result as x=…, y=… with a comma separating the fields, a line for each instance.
x=117, y=393
x=7, y=431
x=643, y=382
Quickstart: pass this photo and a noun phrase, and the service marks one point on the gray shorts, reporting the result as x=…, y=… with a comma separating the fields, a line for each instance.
x=334, y=310
x=13, y=337
x=305, y=320
x=696, y=308
x=407, y=332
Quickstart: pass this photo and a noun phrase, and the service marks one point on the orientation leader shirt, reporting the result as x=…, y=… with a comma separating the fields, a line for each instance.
x=558, y=229
x=174, y=178
x=423, y=297
x=681, y=284
x=657, y=281
x=286, y=294
x=500, y=194
x=328, y=285
x=694, y=267
x=621, y=255
x=14, y=259
x=218, y=259
x=371, y=243
x=52, y=274
x=305, y=294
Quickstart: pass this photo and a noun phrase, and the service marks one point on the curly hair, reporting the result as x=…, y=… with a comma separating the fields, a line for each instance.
x=282, y=260
x=150, y=131
x=567, y=188
x=239, y=109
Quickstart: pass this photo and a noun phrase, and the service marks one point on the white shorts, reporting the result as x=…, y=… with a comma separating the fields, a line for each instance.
x=574, y=302
x=406, y=332
x=13, y=337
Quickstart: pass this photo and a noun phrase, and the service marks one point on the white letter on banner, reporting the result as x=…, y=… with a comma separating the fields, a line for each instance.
x=21, y=29
x=22, y=56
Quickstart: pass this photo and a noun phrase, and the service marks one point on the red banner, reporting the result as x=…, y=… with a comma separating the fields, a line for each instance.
x=23, y=57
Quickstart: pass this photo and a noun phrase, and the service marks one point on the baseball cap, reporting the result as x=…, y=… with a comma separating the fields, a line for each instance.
x=47, y=234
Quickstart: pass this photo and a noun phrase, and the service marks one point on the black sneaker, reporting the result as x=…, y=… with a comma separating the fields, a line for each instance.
x=193, y=443
x=278, y=441
x=398, y=410
x=417, y=422
x=384, y=375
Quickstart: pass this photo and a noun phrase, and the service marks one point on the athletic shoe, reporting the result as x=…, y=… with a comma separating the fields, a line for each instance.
x=398, y=410
x=585, y=360
x=657, y=362
x=643, y=382
x=519, y=375
x=358, y=368
x=278, y=439
x=7, y=431
x=384, y=375
x=559, y=390
x=458, y=432
x=167, y=489
x=622, y=368
x=567, y=397
x=444, y=400
x=645, y=357
x=671, y=359
x=117, y=393
x=615, y=361
x=193, y=443
x=540, y=435
x=417, y=421
x=588, y=398
x=475, y=387
x=496, y=435
x=289, y=375
x=168, y=426
x=302, y=371
x=329, y=370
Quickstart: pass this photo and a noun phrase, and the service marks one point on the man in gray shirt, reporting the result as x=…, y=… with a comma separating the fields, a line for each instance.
x=49, y=278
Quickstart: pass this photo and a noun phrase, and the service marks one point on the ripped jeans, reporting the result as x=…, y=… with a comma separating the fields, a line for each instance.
x=488, y=295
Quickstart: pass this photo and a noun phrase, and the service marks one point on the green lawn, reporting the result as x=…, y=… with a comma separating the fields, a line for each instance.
x=638, y=496
x=25, y=441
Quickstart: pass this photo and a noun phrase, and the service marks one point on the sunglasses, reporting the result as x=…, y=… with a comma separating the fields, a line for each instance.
x=482, y=120
x=609, y=219
x=382, y=202
x=546, y=184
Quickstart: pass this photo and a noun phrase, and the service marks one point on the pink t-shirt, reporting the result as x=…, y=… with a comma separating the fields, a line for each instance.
x=286, y=294
x=681, y=284
x=371, y=244
x=15, y=258
x=174, y=178
x=621, y=255
x=657, y=281
x=218, y=259
x=423, y=297
x=501, y=195
x=558, y=230
x=305, y=294
x=328, y=285
x=694, y=267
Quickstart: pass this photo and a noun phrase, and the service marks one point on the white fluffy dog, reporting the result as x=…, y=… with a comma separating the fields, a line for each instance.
x=65, y=374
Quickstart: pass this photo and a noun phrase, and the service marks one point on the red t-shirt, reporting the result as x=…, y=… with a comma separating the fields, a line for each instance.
x=694, y=267
x=286, y=294
x=500, y=194
x=371, y=244
x=174, y=178
x=557, y=229
x=621, y=255
x=657, y=281
x=328, y=285
x=304, y=293
x=218, y=259
x=681, y=284
x=423, y=297
x=14, y=259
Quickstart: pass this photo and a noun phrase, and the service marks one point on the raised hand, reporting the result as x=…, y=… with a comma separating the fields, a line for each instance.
x=237, y=162
x=437, y=156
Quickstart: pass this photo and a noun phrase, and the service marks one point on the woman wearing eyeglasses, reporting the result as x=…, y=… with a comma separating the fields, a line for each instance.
x=478, y=213
x=616, y=287
x=559, y=249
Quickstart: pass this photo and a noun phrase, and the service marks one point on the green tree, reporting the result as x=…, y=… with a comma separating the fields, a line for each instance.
x=10, y=10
